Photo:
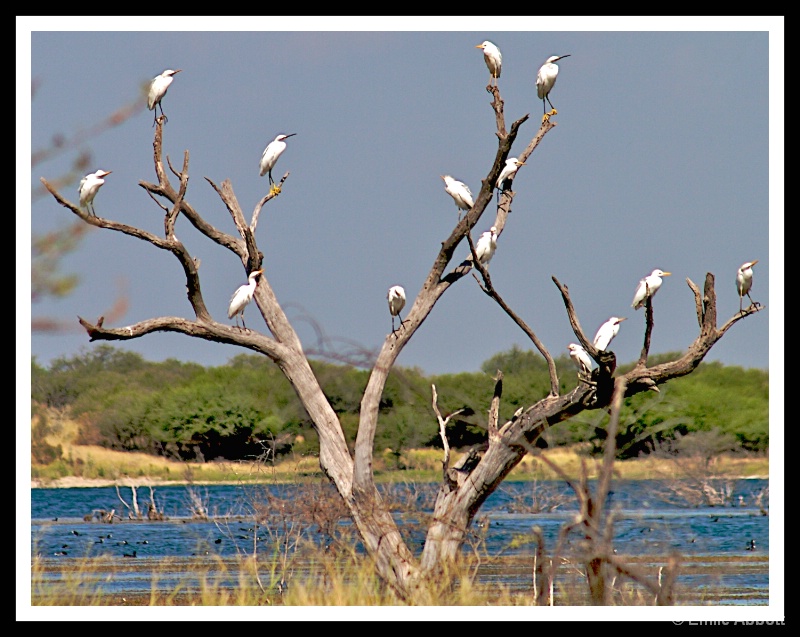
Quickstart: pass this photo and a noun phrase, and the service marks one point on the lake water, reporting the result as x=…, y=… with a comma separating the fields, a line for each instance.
x=651, y=520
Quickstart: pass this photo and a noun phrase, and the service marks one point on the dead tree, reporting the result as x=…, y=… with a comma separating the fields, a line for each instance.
x=596, y=551
x=465, y=486
x=133, y=509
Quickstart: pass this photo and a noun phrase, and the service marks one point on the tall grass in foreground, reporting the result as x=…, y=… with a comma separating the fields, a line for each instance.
x=321, y=580
x=347, y=579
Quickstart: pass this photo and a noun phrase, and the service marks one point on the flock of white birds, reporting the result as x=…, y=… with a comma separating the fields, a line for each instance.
x=458, y=190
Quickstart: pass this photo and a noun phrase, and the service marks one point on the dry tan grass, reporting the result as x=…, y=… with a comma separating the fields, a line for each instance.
x=349, y=579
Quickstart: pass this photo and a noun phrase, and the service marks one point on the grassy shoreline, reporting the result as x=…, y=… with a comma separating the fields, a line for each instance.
x=88, y=466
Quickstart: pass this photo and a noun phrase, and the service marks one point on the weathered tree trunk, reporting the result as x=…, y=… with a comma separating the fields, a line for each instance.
x=596, y=576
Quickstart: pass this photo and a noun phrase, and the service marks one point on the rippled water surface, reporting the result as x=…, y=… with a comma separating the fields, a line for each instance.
x=650, y=522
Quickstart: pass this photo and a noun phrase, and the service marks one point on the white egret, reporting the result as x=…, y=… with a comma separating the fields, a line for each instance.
x=487, y=244
x=90, y=184
x=606, y=332
x=460, y=193
x=509, y=171
x=744, y=281
x=546, y=80
x=158, y=89
x=581, y=358
x=397, y=301
x=270, y=156
x=647, y=287
x=243, y=296
x=493, y=59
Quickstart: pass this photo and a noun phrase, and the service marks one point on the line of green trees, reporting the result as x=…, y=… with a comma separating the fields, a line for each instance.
x=246, y=408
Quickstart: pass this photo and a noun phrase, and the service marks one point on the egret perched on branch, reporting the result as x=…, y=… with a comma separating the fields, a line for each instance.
x=158, y=89
x=648, y=286
x=581, y=358
x=744, y=281
x=546, y=80
x=397, y=301
x=493, y=59
x=460, y=193
x=606, y=332
x=90, y=184
x=509, y=171
x=270, y=156
x=242, y=297
x=487, y=244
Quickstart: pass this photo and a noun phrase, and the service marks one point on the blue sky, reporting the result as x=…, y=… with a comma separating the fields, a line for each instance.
x=668, y=153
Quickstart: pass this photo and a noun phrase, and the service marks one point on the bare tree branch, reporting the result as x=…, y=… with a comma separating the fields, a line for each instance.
x=274, y=192
x=443, y=434
x=489, y=289
x=494, y=409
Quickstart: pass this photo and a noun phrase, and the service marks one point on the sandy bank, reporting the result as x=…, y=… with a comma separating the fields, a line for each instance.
x=74, y=481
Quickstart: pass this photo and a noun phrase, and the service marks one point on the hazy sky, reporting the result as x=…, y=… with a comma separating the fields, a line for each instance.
x=668, y=153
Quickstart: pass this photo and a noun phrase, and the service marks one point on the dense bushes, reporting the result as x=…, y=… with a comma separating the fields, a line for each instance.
x=247, y=408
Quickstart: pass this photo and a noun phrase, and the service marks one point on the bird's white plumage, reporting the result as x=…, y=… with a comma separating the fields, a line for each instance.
x=459, y=191
x=492, y=57
x=509, y=170
x=243, y=296
x=606, y=332
x=271, y=153
x=397, y=301
x=580, y=357
x=89, y=186
x=546, y=77
x=159, y=86
x=744, y=280
x=647, y=287
x=486, y=245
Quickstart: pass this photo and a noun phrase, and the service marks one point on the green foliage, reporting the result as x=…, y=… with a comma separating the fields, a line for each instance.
x=79, y=381
x=247, y=408
x=231, y=412
x=343, y=385
x=724, y=399
x=404, y=421
x=515, y=361
x=729, y=398
x=646, y=420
